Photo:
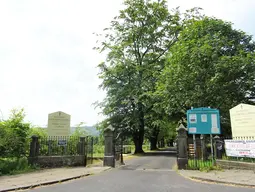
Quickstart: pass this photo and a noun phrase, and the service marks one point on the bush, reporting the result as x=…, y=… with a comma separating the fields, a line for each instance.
x=98, y=150
x=13, y=135
x=38, y=131
x=13, y=165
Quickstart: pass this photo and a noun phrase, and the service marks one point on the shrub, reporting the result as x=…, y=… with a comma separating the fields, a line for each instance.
x=98, y=150
x=13, y=165
x=14, y=132
x=38, y=131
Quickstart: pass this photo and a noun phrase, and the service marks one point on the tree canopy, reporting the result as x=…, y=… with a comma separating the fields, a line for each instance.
x=136, y=43
x=212, y=64
x=159, y=63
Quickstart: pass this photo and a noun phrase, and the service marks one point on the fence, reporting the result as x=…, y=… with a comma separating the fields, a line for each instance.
x=236, y=150
x=222, y=151
x=59, y=146
x=61, y=151
x=199, y=152
x=90, y=149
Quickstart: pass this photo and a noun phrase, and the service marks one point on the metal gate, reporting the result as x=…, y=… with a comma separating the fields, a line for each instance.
x=89, y=150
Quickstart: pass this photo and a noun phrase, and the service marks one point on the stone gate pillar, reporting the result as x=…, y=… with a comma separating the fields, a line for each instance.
x=34, y=150
x=109, y=159
x=182, y=147
x=82, y=150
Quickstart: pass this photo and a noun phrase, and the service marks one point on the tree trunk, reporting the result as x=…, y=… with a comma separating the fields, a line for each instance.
x=159, y=144
x=154, y=139
x=139, y=135
x=138, y=144
x=162, y=143
x=153, y=142
x=171, y=143
x=138, y=138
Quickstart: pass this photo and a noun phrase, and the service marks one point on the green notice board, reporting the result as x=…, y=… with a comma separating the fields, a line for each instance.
x=203, y=121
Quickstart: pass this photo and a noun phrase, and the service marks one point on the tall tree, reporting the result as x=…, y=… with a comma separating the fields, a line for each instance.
x=212, y=64
x=136, y=43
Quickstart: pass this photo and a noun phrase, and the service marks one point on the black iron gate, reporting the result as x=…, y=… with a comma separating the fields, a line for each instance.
x=89, y=150
x=118, y=148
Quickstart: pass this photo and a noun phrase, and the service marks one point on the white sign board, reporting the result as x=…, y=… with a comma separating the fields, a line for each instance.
x=242, y=119
x=193, y=118
x=192, y=129
x=240, y=148
x=59, y=124
x=204, y=118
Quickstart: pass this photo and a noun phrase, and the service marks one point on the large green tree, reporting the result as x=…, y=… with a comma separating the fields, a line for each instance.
x=135, y=43
x=212, y=64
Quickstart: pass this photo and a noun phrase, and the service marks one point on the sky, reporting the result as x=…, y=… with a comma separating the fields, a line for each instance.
x=47, y=63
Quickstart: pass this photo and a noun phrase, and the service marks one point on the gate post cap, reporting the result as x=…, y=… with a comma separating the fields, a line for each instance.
x=109, y=128
x=34, y=138
x=181, y=126
x=82, y=138
x=108, y=131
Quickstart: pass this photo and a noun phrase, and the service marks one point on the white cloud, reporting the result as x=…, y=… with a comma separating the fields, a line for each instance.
x=46, y=57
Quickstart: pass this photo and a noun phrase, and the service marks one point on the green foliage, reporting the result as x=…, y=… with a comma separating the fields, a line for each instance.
x=13, y=135
x=98, y=151
x=168, y=130
x=38, y=131
x=79, y=132
x=212, y=64
x=14, y=165
x=71, y=147
x=14, y=143
x=135, y=43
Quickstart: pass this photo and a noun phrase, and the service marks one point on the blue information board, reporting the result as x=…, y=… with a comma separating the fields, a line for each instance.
x=203, y=121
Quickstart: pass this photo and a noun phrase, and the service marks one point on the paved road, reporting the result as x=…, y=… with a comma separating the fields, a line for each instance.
x=150, y=173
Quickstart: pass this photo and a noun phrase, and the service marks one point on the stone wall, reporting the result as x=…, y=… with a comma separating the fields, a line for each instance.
x=58, y=161
x=235, y=165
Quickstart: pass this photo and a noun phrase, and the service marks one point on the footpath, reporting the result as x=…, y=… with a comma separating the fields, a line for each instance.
x=232, y=177
x=46, y=177
x=51, y=176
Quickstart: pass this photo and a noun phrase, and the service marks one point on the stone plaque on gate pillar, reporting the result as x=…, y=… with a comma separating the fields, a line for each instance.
x=59, y=124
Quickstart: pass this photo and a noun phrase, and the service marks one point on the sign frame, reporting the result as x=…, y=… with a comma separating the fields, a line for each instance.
x=204, y=121
x=62, y=142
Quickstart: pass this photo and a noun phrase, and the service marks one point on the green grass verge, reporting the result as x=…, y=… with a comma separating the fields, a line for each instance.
x=201, y=165
x=11, y=166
